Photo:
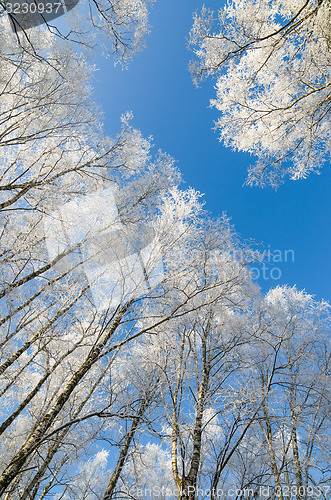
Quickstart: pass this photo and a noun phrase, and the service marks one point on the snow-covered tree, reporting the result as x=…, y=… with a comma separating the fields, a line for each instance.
x=272, y=64
x=77, y=209
x=197, y=354
x=293, y=374
x=245, y=401
x=119, y=26
x=130, y=331
x=53, y=155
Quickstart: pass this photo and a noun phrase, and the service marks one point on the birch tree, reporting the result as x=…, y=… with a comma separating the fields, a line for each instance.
x=53, y=153
x=295, y=411
x=58, y=327
x=126, y=314
x=56, y=333
x=284, y=451
x=119, y=27
x=245, y=402
x=197, y=355
x=271, y=61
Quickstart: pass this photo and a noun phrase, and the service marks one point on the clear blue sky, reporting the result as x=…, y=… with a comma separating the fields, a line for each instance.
x=157, y=88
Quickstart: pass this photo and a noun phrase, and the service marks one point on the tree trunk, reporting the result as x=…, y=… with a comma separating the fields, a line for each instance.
x=37, y=435
x=125, y=450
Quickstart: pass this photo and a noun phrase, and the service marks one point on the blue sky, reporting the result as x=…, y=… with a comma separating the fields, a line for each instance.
x=158, y=89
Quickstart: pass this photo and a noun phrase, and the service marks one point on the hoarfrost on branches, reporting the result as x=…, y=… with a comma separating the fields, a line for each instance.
x=272, y=62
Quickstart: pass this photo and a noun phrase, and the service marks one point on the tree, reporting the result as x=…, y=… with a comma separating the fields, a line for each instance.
x=294, y=416
x=79, y=342
x=120, y=26
x=128, y=317
x=245, y=401
x=272, y=64
x=58, y=343
x=288, y=359
x=54, y=151
x=192, y=354
x=198, y=357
